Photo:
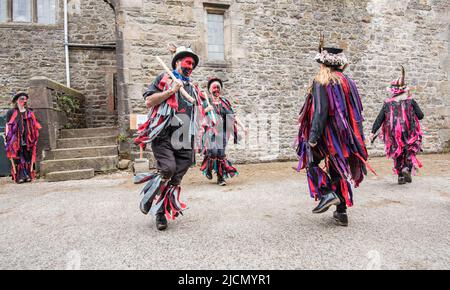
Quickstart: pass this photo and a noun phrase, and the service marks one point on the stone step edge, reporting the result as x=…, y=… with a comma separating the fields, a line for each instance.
x=90, y=171
x=77, y=159
x=90, y=129
x=84, y=148
x=85, y=138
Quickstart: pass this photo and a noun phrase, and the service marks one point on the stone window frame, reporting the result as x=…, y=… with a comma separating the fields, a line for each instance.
x=34, y=16
x=222, y=8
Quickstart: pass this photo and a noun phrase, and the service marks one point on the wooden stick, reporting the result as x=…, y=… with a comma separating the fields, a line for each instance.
x=182, y=90
x=13, y=166
x=213, y=116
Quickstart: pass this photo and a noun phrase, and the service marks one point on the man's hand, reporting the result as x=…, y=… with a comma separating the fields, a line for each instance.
x=176, y=86
x=148, y=103
x=209, y=109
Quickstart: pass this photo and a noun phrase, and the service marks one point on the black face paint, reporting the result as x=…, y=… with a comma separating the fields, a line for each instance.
x=186, y=71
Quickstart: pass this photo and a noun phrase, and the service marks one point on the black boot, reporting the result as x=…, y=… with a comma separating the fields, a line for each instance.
x=326, y=201
x=209, y=175
x=161, y=222
x=221, y=181
x=341, y=218
x=407, y=175
x=401, y=180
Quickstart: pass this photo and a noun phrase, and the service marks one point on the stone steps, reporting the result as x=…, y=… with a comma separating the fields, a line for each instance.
x=88, y=132
x=82, y=152
x=98, y=164
x=70, y=175
x=66, y=143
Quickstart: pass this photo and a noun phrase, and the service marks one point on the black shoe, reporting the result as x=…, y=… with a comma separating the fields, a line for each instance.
x=161, y=222
x=407, y=175
x=221, y=182
x=401, y=180
x=326, y=202
x=341, y=218
x=20, y=181
x=209, y=175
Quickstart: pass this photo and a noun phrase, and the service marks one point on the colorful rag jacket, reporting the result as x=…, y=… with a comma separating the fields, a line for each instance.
x=221, y=122
x=332, y=118
x=23, y=130
x=162, y=116
x=400, y=129
x=218, y=126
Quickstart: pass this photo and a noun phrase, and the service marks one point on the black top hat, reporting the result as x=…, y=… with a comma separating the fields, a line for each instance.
x=18, y=95
x=183, y=52
x=333, y=50
x=212, y=80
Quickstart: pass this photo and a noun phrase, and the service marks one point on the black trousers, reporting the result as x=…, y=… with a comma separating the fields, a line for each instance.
x=216, y=153
x=23, y=164
x=335, y=178
x=172, y=164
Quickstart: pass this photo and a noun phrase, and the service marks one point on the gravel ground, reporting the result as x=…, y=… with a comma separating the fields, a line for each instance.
x=261, y=220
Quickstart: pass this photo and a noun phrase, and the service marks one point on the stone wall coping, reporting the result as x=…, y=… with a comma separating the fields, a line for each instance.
x=43, y=81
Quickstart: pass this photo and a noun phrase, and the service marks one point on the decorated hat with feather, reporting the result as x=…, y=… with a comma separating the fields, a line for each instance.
x=400, y=82
x=330, y=56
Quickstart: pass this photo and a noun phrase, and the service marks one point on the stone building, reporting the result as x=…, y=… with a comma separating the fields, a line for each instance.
x=32, y=47
x=263, y=49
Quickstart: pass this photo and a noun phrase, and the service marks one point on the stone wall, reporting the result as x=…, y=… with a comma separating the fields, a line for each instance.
x=271, y=45
x=32, y=50
x=27, y=51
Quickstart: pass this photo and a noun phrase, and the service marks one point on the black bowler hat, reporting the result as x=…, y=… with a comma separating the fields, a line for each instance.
x=18, y=95
x=211, y=80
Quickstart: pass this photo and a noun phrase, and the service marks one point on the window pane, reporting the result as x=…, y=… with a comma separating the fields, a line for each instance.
x=46, y=11
x=3, y=11
x=22, y=10
x=216, y=37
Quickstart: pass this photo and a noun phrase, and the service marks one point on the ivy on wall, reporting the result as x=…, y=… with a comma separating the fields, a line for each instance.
x=71, y=107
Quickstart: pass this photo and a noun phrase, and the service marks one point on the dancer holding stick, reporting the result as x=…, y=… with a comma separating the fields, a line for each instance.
x=173, y=128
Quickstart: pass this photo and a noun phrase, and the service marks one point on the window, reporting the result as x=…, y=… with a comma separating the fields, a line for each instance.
x=46, y=11
x=3, y=11
x=28, y=11
x=216, y=37
x=21, y=11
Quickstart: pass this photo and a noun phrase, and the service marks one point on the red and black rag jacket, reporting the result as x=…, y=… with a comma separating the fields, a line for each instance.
x=23, y=133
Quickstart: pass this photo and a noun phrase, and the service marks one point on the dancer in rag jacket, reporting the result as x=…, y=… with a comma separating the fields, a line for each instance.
x=22, y=134
x=331, y=130
x=174, y=131
x=222, y=122
x=400, y=129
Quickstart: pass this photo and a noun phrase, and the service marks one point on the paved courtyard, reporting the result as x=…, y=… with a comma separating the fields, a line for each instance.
x=262, y=220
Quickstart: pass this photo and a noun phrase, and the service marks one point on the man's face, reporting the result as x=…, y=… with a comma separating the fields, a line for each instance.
x=22, y=101
x=187, y=66
x=216, y=89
